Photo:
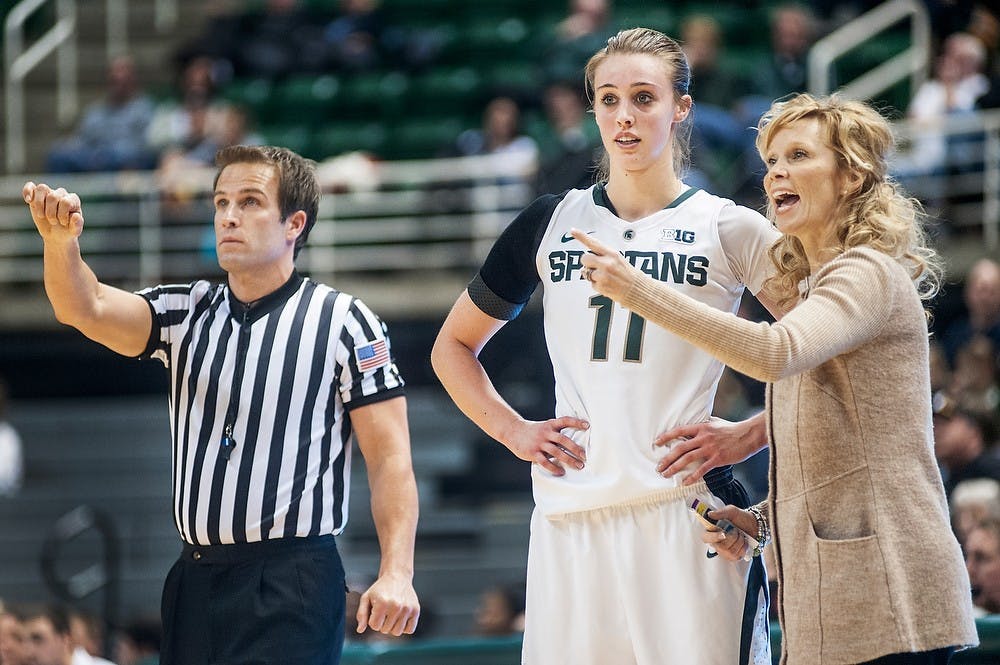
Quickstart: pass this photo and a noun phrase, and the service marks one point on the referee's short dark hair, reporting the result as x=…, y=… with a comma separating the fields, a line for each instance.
x=297, y=185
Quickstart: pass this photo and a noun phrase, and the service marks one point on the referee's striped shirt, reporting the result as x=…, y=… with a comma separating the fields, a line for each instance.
x=275, y=381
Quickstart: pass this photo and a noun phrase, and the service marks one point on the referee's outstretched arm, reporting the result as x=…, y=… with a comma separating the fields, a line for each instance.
x=115, y=318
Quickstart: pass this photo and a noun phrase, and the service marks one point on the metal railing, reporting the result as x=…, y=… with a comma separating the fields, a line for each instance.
x=911, y=62
x=376, y=220
x=61, y=39
x=962, y=189
x=396, y=225
x=19, y=62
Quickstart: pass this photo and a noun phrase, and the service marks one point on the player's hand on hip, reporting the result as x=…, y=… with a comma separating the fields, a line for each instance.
x=544, y=443
x=389, y=606
x=606, y=268
x=709, y=444
x=731, y=545
x=57, y=214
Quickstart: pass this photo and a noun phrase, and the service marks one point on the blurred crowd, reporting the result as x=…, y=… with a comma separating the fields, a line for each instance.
x=54, y=634
x=130, y=128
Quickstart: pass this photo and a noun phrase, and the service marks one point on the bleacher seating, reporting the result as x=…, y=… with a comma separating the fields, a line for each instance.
x=485, y=48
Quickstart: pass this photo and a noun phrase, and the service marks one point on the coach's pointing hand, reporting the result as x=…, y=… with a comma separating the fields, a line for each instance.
x=58, y=214
x=606, y=268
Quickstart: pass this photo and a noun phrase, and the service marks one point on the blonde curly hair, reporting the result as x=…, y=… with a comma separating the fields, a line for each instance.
x=877, y=214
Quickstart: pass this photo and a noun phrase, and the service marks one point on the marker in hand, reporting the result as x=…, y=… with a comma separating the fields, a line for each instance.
x=701, y=510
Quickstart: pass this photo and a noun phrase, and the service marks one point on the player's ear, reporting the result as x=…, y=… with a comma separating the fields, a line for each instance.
x=684, y=105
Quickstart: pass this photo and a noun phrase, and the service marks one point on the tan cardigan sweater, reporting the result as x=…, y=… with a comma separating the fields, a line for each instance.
x=867, y=563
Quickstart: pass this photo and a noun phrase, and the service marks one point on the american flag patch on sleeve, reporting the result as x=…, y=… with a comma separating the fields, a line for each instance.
x=372, y=356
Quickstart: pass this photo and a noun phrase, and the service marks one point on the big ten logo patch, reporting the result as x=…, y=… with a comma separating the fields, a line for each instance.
x=677, y=235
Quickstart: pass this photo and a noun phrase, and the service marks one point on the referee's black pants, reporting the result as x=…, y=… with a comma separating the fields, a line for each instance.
x=268, y=603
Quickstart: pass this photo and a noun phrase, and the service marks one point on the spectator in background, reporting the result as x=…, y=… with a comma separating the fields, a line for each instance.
x=112, y=134
x=963, y=446
x=179, y=122
x=86, y=631
x=219, y=40
x=282, y=39
x=139, y=642
x=982, y=557
x=47, y=629
x=500, y=611
x=11, y=454
x=985, y=26
x=957, y=84
x=569, y=159
x=974, y=379
x=713, y=83
x=720, y=137
x=354, y=38
x=584, y=30
x=940, y=368
x=500, y=135
x=982, y=305
x=13, y=637
x=971, y=502
x=781, y=72
x=793, y=32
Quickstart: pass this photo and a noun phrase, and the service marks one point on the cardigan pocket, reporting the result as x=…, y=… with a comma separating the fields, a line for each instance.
x=855, y=608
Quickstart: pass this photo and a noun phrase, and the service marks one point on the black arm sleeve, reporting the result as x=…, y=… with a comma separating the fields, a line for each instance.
x=509, y=276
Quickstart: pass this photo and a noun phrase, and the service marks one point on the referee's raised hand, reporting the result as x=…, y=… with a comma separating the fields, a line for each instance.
x=58, y=214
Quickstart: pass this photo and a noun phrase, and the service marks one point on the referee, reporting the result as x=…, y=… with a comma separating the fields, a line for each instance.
x=270, y=373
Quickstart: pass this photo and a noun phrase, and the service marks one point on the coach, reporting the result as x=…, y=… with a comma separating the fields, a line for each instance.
x=270, y=374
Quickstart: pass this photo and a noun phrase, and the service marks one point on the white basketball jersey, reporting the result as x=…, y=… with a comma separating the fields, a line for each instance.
x=631, y=379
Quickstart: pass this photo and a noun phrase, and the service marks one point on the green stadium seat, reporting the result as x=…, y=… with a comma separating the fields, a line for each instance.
x=339, y=138
x=447, y=90
x=518, y=79
x=408, y=12
x=378, y=93
x=741, y=26
x=501, y=36
x=309, y=95
x=423, y=137
x=659, y=18
x=257, y=95
x=448, y=82
x=294, y=137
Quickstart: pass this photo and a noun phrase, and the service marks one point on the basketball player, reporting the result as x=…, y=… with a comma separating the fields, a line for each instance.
x=617, y=572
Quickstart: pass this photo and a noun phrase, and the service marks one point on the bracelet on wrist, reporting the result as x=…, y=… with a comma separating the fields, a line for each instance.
x=763, y=530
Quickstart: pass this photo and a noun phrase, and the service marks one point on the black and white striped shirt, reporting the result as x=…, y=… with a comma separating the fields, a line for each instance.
x=259, y=405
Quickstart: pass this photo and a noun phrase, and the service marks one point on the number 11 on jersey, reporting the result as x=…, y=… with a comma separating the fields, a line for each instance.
x=602, y=331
